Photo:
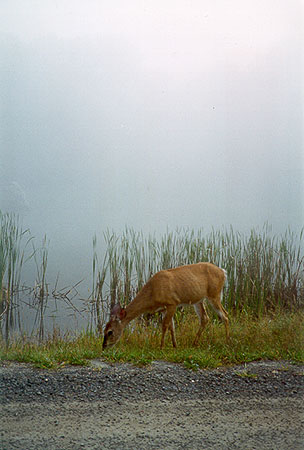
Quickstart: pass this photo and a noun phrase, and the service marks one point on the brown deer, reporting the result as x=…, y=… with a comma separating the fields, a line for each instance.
x=165, y=291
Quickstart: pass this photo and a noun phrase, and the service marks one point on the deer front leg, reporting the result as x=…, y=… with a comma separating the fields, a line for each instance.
x=168, y=323
x=172, y=331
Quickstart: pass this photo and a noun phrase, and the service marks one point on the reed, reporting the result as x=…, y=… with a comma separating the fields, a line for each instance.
x=15, y=293
x=98, y=310
x=41, y=293
x=265, y=272
x=15, y=253
x=13, y=244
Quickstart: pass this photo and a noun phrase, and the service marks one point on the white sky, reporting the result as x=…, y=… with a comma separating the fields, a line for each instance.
x=151, y=114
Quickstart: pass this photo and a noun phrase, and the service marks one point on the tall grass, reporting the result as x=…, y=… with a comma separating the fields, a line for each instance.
x=13, y=244
x=98, y=307
x=41, y=286
x=265, y=272
x=15, y=253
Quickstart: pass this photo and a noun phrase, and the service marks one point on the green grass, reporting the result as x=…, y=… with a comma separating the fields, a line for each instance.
x=271, y=337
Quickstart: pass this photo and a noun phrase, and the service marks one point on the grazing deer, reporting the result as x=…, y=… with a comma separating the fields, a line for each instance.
x=167, y=290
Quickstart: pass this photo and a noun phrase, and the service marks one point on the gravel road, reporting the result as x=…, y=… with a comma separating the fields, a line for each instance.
x=162, y=407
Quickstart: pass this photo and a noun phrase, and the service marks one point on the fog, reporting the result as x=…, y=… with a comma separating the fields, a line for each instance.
x=152, y=115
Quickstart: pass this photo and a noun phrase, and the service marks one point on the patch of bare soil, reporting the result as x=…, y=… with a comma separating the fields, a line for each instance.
x=162, y=407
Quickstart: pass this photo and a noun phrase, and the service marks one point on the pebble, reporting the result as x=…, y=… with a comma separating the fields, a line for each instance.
x=161, y=380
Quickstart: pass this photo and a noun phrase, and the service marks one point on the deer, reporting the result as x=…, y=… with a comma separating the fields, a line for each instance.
x=165, y=291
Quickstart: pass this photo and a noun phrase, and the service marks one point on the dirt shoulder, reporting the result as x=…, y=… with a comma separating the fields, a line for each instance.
x=161, y=407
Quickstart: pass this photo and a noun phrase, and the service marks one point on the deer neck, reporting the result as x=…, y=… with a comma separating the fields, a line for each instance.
x=138, y=306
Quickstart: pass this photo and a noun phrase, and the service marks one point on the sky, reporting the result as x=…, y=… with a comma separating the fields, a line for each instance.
x=152, y=115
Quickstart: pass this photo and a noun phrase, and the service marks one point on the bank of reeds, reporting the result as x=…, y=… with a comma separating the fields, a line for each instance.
x=13, y=244
x=265, y=272
x=17, y=248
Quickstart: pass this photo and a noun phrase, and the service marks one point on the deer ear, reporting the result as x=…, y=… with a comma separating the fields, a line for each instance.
x=122, y=313
x=115, y=311
x=118, y=312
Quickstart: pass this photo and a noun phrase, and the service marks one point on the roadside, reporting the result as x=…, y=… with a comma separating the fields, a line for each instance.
x=162, y=407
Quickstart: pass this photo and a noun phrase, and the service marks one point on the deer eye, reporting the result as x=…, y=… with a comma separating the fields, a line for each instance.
x=110, y=332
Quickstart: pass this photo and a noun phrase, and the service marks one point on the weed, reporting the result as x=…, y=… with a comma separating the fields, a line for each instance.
x=245, y=374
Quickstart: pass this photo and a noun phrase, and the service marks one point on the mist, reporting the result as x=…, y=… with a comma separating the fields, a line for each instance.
x=150, y=115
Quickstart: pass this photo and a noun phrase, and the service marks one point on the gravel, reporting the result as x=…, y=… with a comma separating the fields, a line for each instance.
x=161, y=407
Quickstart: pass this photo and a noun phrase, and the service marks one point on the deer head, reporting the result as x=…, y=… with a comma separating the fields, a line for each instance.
x=114, y=327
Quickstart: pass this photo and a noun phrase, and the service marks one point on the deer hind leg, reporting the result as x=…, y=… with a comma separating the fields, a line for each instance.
x=200, y=310
x=168, y=323
x=221, y=312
